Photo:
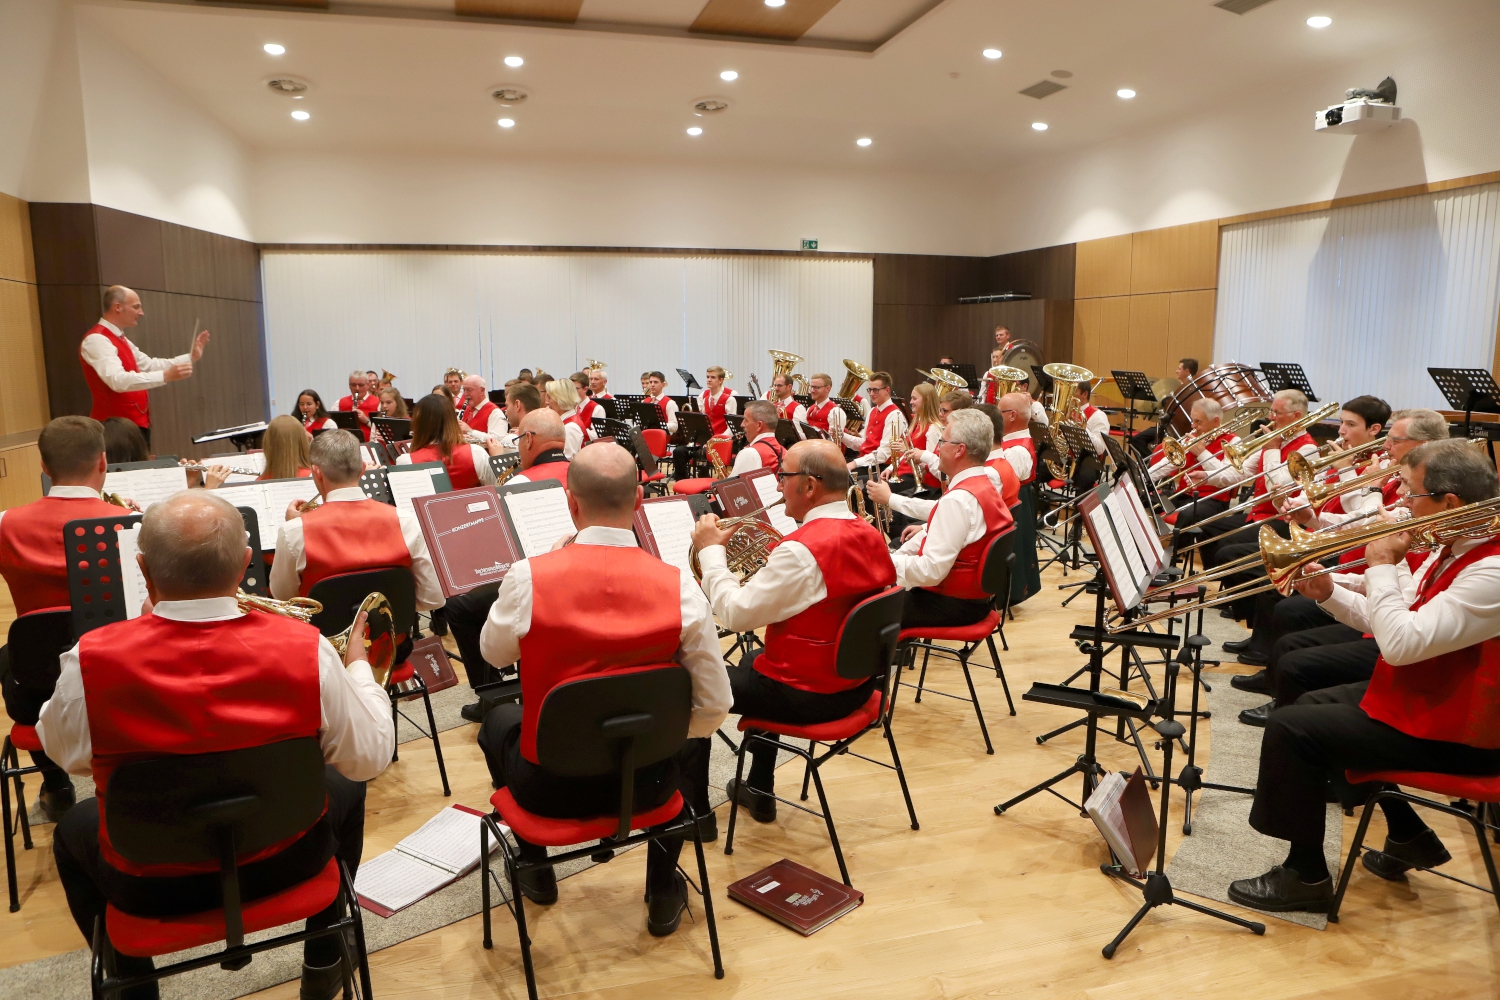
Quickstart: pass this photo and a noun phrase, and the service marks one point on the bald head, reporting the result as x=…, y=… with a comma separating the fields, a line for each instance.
x=603, y=484
x=193, y=545
x=824, y=477
x=545, y=426
x=1015, y=407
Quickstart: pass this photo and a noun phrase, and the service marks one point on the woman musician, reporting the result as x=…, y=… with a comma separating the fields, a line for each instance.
x=391, y=405
x=437, y=436
x=913, y=466
x=313, y=413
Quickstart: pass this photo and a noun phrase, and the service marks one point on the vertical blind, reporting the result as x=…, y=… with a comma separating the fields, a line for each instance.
x=417, y=313
x=1366, y=298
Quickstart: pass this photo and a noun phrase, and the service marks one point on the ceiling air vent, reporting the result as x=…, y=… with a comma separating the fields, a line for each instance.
x=510, y=95
x=710, y=105
x=1240, y=6
x=288, y=85
x=1043, y=89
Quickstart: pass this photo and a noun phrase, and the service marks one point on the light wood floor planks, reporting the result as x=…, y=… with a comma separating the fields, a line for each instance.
x=971, y=905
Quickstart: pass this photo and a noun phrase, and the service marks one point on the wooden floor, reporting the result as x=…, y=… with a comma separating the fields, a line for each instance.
x=971, y=905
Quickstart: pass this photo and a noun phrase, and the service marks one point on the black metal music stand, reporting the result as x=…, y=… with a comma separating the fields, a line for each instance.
x=736, y=424
x=617, y=429
x=1044, y=382
x=1472, y=390
x=688, y=380
x=786, y=433
x=1134, y=387
x=243, y=436
x=647, y=416
x=376, y=484
x=1287, y=375
x=497, y=396
x=504, y=466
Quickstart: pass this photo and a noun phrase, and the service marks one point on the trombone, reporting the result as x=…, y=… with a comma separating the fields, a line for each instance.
x=1239, y=454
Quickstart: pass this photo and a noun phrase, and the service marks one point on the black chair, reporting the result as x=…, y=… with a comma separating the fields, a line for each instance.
x=341, y=597
x=34, y=645
x=994, y=579
x=215, y=807
x=867, y=643
x=606, y=724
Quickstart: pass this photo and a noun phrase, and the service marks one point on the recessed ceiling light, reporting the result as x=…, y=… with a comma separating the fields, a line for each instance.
x=506, y=123
x=729, y=74
x=515, y=62
x=992, y=53
x=301, y=116
x=695, y=130
x=863, y=142
x=1039, y=126
x=1125, y=92
x=273, y=49
x=1319, y=22
x=775, y=3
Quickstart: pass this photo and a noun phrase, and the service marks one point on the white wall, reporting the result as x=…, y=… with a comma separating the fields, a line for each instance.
x=1261, y=153
x=43, y=150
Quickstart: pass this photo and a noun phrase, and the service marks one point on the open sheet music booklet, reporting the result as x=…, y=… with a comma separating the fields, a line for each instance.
x=146, y=486
x=664, y=527
x=407, y=482
x=269, y=499
x=442, y=850
x=765, y=487
x=538, y=516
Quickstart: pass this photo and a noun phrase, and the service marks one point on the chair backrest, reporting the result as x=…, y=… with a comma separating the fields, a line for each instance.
x=615, y=724
x=994, y=576
x=35, y=643
x=341, y=596
x=656, y=440
x=867, y=638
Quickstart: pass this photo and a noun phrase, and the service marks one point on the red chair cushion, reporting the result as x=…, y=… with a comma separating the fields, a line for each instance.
x=822, y=732
x=1478, y=788
x=402, y=673
x=147, y=937
x=25, y=738
x=550, y=832
x=686, y=486
x=1056, y=484
x=656, y=440
x=960, y=633
x=653, y=477
x=1171, y=518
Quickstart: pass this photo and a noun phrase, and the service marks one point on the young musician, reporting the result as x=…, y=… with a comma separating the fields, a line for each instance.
x=883, y=424
x=599, y=384
x=763, y=450
x=312, y=413
x=812, y=579
x=542, y=442
x=562, y=399
x=483, y=420
x=360, y=401
x=825, y=414
x=717, y=400
x=119, y=374
x=453, y=381
x=645, y=383
x=437, y=436
x=940, y=564
x=915, y=472
x=787, y=407
x=348, y=532
x=1095, y=420
x=285, y=446
x=123, y=441
x=587, y=408
x=393, y=405
x=598, y=606
x=34, y=562
x=989, y=388
x=656, y=392
x=195, y=675
x=1428, y=706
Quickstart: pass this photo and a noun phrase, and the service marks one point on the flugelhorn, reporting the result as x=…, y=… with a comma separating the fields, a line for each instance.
x=1238, y=454
x=857, y=375
x=745, y=551
x=862, y=505
x=120, y=501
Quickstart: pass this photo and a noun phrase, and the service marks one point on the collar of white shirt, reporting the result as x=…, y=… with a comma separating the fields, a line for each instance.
x=997, y=453
x=978, y=470
x=1015, y=436
x=888, y=402
x=622, y=538
x=762, y=437
x=74, y=492
x=346, y=493
x=111, y=327
x=207, y=609
x=837, y=509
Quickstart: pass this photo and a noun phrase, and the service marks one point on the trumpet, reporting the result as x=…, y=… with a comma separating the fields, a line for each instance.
x=303, y=506
x=747, y=550
x=860, y=505
x=380, y=625
x=1238, y=454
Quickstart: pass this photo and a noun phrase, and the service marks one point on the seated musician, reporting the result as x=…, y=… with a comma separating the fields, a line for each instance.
x=1210, y=493
x=599, y=605
x=453, y=381
x=656, y=393
x=562, y=399
x=884, y=424
x=1145, y=440
x=196, y=675
x=348, y=532
x=34, y=562
x=940, y=562
x=483, y=421
x=541, y=440
x=1428, y=707
x=437, y=436
x=717, y=400
x=520, y=399
x=393, y=405
x=762, y=450
x=1018, y=445
x=1010, y=483
x=311, y=411
x=587, y=408
x=825, y=414
x=599, y=384
x=783, y=395
x=813, y=577
x=1095, y=420
x=914, y=474
x=360, y=400
x=124, y=442
x=284, y=450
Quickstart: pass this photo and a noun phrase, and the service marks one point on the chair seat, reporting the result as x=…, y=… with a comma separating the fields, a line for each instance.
x=959, y=633
x=822, y=732
x=25, y=738
x=1171, y=518
x=653, y=477
x=146, y=937
x=551, y=832
x=401, y=674
x=1056, y=484
x=1477, y=788
x=686, y=486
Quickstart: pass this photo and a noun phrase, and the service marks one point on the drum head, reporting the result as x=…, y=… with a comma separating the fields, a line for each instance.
x=1232, y=386
x=1023, y=354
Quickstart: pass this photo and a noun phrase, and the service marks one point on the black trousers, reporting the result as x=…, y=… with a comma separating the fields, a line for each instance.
x=24, y=706
x=929, y=609
x=1321, y=658
x=146, y=433
x=1226, y=531
x=1326, y=733
x=466, y=615
x=1227, y=552
x=540, y=791
x=90, y=882
x=1195, y=510
x=1277, y=618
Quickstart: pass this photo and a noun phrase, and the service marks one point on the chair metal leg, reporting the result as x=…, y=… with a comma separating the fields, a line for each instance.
x=833, y=835
x=359, y=941
x=922, y=677
x=890, y=741
x=10, y=844
x=1484, y=850
x=515, y=893
x=963, y=660
x=484, y=889
x=21, y=809
x=1000, y=671
x=437, y=746
x=812, y=750
x=395, y=747
x=1359, y=839
x=734, y=802
x=708, y=904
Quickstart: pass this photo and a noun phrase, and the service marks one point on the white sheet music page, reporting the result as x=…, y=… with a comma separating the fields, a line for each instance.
x=765, y=488
x=253, y=495
x=406, y=485
x=672, y=527
x=132, y=583
x=541, y=517
x=279, y=494
x=449, y=840
x=1113, y=557
x=146, y=486
x=1127, y=540
x=1143, y=517
x=395, y=880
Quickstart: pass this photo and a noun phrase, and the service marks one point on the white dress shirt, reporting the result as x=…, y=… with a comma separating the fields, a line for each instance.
x=670, y=405
x=788, y=584
x=99, y=354
x=959, y=521
x=356, y=732
x=894, y=429
x=1468, y=612
x=496, y=427
x=1018, y=456
x=836, y=422
x=291, y=556
x=1271, y=457
x=482, y=467
x=573, y=437
x=790, y=409
x=748, y=460
x=698, y=647
x=1097, y=426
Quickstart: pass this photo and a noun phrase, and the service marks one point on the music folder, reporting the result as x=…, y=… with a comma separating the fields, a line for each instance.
x=796, y=896
x=664, y=527
x=1121, y=808
x=468, y=537
x=346, y=419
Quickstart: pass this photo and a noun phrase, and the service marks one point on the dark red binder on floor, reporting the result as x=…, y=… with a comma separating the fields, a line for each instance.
x=796, y=896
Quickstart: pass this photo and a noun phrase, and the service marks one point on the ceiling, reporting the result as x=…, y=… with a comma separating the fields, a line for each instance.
x=412, y=77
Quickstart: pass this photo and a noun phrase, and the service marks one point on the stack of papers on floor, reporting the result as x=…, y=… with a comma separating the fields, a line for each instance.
x=445, y=848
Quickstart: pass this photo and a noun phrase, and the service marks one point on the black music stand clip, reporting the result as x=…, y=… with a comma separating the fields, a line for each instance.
x=1472, y=390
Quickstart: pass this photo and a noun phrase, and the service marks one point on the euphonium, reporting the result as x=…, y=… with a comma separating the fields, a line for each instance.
x=1007, y=379
x=1066, y=380
x=1238, y=454
x=858, y=375
x=380, y=626
x=747, y=549
x=944, y=377
x=782, y=362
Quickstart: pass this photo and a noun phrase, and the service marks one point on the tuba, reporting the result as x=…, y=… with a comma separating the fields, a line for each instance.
x=783, y=362
x=747, y=549
x=944, y=378
x=858, y=375
x=380, y=624
x=1007, y=379
x=1066, y=379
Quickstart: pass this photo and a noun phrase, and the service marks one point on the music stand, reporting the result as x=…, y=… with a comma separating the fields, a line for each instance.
x=393, y=428
x=689, y=381
x=736, y=424
x=1134, y=387
x=376, y=484
x=786, y=433
x=1472, y=390
x=619, y=430
x=850, y=408
x=810, y=433
x=647, y=416
x=505, y=465
x=497, y=396
x=1287, y=375
x=244, y=436
x=964, y=371
x=1044, y=383
x=347, y=420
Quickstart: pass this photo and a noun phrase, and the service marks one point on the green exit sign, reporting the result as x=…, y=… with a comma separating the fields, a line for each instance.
x=809, y=244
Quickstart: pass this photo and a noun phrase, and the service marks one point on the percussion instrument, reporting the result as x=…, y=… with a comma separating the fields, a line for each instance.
x=1233, y=386
x=1023, y=354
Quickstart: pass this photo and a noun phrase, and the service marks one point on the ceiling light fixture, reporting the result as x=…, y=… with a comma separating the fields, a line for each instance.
x=506, y=123
x=1125, y=92
x=863, y=142
x=729, y=74
x=273, y=49
x=515, y=62
x=301, y=116
x=1319, y=22
x=992, y=53
x=1039, y=126
x=695, y=130
x=775, y=3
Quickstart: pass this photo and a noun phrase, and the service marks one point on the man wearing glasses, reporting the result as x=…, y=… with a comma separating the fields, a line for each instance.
x=801, y=596
x=884, y=424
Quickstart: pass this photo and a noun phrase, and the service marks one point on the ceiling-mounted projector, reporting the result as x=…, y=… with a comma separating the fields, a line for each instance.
x=1361, y=111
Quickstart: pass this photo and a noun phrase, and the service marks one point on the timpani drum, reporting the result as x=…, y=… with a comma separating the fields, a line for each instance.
x=1233, y=386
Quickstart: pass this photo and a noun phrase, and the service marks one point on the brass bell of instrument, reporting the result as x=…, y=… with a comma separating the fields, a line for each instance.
x=746, y=551
x=1007, y=379
x=858, y=375
x=783, y=362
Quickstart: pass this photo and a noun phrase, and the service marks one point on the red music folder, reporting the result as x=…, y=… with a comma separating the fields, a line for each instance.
x=469, y=539
x=796, y=896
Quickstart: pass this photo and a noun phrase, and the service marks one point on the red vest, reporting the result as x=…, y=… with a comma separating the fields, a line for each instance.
x=817, y=414
x=1030, y=446
x=1454, y=697
x=595, y=609
x=479, y=419
x=351, y=536
x=548, y=470
x=661, y=406
x=155, y=687
x=32, y=558
x=1010, y=483
x=577, y=420
x=802, y=651
x=770, y=451
x=370, y=404
x=875, y=428
x=905, y=467
x=587, y=411
x=459, y=465
x=713, y=409
x=1215, y=447
x=133, y=406
x=963, y=579
x=1265, y=509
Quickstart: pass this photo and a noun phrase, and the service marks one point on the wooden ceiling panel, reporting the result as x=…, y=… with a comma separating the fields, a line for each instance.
x=524, y=10
x=753, y=17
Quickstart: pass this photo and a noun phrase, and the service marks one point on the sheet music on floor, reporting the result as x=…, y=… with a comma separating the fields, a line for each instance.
x=540, y=518
x=765, y=488
x=441, y=850
x=406, y=485
x=671, y=522
x=146, y=486
x=132, y=582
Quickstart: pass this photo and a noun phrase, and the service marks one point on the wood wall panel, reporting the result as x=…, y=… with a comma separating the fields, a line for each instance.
x=67, y=313
x=1047, y=273
x=1103, y=267
x=1147, y=347
x=16, y=260
x=917, y=279
x=64, y=244
x=1190, y=329
x=1101, y=333
x=23, y=370
x=20, y=475
x=1175, y=259
x=236, y=269
x=130, y=250
x=187, y=260
x=523, y=10
x=753, y=17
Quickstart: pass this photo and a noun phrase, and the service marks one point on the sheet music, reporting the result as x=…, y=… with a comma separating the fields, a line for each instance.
x=540, y=517
x=279, y=493
x=405, y=485
x=132, y=583
x=1113, y=557
x=395, y=880
x=765, y=488
x=236, y=478
x=449, y=840
x=1127, y=522
x=253, y=495
x=146, y=486
x=1127, y=540
x=672, y=528
x=1146, y=521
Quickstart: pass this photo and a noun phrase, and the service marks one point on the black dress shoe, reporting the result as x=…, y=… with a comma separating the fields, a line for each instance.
x=539, y=885
x=762, y=807
x=1227, y=613
x=322, y=984
x=664, y=909
x=1281, y=890
x=55, y=802
x=1257, y=716
x=1394, y=860
x=708, y=827
x=1254, y=658
x=1236, y=645
x=1258, y=682
x=472, y=713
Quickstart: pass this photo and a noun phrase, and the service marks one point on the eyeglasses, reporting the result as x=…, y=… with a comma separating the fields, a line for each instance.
x=942, y=441
x=784, y=476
